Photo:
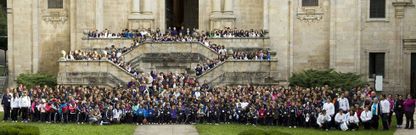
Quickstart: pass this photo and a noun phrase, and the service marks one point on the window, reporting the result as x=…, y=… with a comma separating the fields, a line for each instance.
x=376, y=66
x=377, y=8
x=309, y=3
x=55, y=3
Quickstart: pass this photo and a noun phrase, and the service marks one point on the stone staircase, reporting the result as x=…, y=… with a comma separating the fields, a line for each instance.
x=103, y=73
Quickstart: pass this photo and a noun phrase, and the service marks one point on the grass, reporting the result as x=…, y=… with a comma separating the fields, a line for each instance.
x=74, y=129
x=235, y=129
x=203, y=129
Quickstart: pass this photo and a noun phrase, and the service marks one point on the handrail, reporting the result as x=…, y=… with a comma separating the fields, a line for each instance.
x=122, y=69
x=152, y=42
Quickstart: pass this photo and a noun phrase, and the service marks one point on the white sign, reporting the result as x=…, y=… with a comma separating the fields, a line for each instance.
x=379, y=83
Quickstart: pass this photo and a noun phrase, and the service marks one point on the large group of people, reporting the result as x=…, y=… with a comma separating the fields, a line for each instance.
x=177, y=99
x=251, y=55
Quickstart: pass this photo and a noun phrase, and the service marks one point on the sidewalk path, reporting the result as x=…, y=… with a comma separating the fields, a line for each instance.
x=166, y=130
x=406, y=131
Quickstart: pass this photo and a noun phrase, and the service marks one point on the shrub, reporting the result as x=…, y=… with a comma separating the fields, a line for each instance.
x=261, y=132
x=318, y=78
x=19, y=130
x=31, y=80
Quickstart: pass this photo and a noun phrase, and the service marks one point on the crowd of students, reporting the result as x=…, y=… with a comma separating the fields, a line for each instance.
x=251, y=55
x=174, y=99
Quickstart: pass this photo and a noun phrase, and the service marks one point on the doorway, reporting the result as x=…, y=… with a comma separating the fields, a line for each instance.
x=182, y=13
x=413, y=75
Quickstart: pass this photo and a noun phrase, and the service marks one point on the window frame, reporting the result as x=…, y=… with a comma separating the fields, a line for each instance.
x=302, y=4
x=56, y=6
x=373, y=62
x=386, y=12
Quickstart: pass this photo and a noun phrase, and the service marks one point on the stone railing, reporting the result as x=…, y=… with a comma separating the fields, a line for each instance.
x=101, y=43
x=169, y=47
x=103, y=73
x=242, y=42
x=240, y=72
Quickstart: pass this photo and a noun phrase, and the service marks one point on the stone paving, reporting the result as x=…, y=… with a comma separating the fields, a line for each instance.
x=406, y=131
x=166, y=130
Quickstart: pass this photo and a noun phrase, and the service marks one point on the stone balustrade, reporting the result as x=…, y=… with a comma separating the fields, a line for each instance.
x=104, y=73
x=101, y=43
x=242, y=42
x=240, y=72
x=169, y=47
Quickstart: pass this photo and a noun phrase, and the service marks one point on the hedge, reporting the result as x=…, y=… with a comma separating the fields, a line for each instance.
x=31, y=80
x=261, y=132
x=19, y=130
x=317, y=78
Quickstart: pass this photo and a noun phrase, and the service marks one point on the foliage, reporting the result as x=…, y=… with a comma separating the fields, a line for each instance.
x=31, y=80
x=261, y=132
x=19, y=130
x=316, y=78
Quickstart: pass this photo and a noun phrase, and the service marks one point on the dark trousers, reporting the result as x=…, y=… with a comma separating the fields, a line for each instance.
x=385, y=120
x=43, y=116
x=15, y=113
x=24, y=111
x=367, y=124
x=399, y=117
x=325, y=125
x=374, y=122
x=409, y=120
x=6, y=112
x=353, y=126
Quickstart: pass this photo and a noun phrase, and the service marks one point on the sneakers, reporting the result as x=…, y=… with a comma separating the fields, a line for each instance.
x=290, y=126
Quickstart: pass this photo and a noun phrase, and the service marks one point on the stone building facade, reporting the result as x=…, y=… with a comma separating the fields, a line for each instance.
x=362, y=36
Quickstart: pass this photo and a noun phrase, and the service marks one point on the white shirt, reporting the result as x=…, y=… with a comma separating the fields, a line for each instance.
x=322, y=119
x=117, y=113
x=24, y=101
x=15, y=102
x=366, y=116
x=339, y=118
x=353, y=118
x=329, y=108
x=344, y=104
x=385, y=106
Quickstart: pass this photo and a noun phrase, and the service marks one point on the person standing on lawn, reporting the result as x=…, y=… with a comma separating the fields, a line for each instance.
x=5, y=102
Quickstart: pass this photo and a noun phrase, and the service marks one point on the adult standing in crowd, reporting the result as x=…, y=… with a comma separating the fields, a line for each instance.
x=5, y=102
x=399, y=111
x=385, y=112
x=409, y=110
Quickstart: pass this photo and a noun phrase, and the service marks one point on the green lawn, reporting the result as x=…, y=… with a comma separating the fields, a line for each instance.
x=74, y=129
x=234, y=129
x=203, y=129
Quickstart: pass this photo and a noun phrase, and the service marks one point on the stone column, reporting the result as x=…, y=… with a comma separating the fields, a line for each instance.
x=216, y=6
x=266, y=14
x=135, y=7
x=147, y=6
x=229, y=6
x=99, y=15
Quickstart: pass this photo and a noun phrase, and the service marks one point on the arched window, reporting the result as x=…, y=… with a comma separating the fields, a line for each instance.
x=55, y=3
x=309, y=3
x=377, y=8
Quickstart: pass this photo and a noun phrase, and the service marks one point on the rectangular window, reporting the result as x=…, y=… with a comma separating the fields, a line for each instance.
x=377, y=8
x=376, y=65
x=309, y=3
x=55, y=3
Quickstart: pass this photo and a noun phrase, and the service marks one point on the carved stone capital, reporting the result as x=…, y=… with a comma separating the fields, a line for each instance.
x=400, y=6
x=310, y=15
x=55, y=17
